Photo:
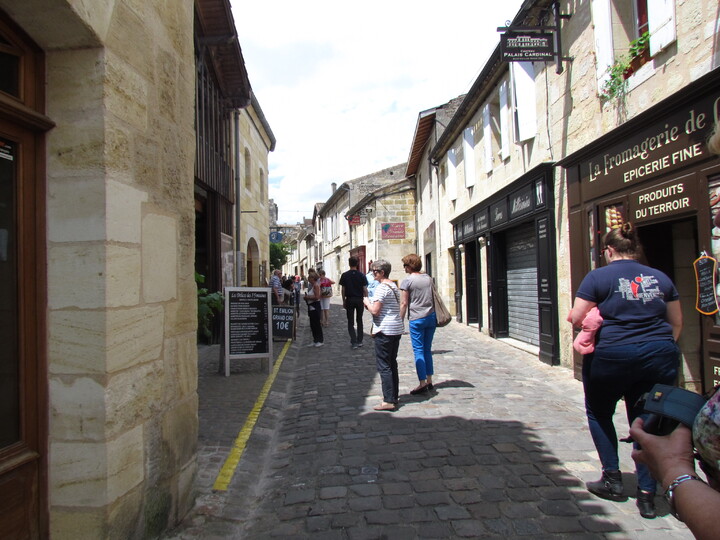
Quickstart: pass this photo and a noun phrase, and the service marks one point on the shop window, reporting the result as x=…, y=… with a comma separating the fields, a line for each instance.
x=617, y=23
x=9, y=68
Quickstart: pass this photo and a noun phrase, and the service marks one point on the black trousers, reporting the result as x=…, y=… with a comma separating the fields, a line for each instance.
x=354, y=310
x=314, y=311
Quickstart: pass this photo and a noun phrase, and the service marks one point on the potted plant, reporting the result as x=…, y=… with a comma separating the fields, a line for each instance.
x=209, y=304
x=625, y=66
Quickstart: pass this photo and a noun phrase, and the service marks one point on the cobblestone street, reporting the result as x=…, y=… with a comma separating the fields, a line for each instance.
x=499, y=449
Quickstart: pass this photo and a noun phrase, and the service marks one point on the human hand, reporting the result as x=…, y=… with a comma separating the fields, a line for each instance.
x=667, y=457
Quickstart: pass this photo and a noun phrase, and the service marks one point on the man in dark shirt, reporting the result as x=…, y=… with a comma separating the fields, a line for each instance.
x=353, y=284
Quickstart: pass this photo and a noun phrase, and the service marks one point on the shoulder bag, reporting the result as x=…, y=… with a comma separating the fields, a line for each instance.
x=441, y=312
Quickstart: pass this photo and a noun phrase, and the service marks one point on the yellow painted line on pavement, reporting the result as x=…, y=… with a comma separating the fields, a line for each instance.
x=228, y=469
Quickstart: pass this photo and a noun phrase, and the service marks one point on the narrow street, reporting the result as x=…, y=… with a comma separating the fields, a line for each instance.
x=499, y=449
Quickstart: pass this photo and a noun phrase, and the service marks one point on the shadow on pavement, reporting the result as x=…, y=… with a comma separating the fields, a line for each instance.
x=474, y=458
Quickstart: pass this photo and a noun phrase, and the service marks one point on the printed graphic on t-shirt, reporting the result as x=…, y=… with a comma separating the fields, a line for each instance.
x=640, y=288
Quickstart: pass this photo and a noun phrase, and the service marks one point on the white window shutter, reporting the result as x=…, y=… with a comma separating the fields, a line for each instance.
x=602, y=25
x=504, y=122
x=487, y=139
x=661, y=24
x=451, y=180
x=469, y=156
x=523, y=82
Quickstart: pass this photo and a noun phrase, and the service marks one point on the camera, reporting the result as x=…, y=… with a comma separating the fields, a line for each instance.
x=669, y=406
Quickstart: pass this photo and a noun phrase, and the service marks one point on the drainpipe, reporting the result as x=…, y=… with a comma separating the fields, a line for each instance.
x=238, y=270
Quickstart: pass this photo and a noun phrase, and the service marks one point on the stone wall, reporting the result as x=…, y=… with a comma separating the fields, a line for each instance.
x=122, y=355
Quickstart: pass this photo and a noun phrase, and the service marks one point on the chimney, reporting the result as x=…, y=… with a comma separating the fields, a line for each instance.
x=334, y=187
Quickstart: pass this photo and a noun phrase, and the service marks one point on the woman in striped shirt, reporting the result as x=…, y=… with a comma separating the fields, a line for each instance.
x=387, y=329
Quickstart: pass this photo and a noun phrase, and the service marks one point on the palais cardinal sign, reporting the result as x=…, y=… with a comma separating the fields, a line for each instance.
x=675, y=141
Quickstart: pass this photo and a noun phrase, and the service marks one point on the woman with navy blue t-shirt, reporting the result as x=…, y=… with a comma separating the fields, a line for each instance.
x=635, y=348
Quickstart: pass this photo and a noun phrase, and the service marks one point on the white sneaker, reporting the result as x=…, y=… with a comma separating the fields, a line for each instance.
x=319, y=344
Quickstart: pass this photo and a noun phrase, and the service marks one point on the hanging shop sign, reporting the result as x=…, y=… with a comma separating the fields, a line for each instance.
x=354, y=220
x=527, y=47
x=276, y=237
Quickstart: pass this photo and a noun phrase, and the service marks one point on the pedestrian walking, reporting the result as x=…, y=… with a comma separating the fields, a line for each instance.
x=387, y=329
x=277, y=288
x=416, y=299
x=635, y=350
x=326, y=291
x=297, y=289
x=372, y=282
x=353, y=286
x=312, y=298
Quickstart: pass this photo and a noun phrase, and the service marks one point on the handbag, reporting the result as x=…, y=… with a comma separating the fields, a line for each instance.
x=326, y=292
x=441, y=312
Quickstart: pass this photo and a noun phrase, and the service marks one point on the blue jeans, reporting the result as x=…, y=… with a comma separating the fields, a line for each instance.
x=624, y=371
x=386, y=350
x=421, y=335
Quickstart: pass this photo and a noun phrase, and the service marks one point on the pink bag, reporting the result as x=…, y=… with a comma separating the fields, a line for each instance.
x=585, y=341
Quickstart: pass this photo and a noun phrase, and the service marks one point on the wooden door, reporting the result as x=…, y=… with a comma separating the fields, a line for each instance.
x=23, y=386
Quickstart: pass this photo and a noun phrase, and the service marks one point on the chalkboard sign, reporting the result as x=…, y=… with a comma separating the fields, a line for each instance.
x=248, y=331
x=283, y=322
x=706, y=301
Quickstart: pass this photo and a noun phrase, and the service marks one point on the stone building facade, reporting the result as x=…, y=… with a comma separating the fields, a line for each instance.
x=256, y=140
x=511, y=168
x=98, y=148
x=370, y=217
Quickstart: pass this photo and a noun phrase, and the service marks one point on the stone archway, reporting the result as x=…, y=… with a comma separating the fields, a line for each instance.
x=253, y=264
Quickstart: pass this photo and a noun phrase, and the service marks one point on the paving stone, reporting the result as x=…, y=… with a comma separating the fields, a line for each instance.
x=499, y=449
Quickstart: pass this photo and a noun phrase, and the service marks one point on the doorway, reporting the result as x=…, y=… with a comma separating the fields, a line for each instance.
x=672, y=247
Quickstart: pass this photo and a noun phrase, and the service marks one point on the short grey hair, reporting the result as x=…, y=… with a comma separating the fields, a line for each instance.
x=382, y=264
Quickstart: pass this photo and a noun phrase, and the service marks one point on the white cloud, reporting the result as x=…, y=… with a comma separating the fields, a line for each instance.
x=342, y=84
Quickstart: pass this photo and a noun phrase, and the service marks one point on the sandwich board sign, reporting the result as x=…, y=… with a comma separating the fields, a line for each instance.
x=248, y=324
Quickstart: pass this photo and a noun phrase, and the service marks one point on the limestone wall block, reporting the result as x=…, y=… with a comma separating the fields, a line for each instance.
x=93, y=474
x=133, y=396
x=180, y=355
x=71, y=523
x=129, y=35
x=75, y=86
x=126, y=93
x=77, y=409
x=75, y=208
x=123, y=276
x=180, y=432
x=86, y=342
x=85, y=263
x=93, y=276
x=159, y=258
x=124, y=211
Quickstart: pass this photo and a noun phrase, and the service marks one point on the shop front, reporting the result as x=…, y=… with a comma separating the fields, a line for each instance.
x=509, y=241
x=656, y=172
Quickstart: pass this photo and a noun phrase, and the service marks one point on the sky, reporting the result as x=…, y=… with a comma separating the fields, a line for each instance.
x=341, y=84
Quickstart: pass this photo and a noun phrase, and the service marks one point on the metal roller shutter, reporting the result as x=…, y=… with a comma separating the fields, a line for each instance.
x=522, y=285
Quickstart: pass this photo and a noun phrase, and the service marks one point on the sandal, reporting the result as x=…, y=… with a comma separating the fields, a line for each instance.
x=384, y=407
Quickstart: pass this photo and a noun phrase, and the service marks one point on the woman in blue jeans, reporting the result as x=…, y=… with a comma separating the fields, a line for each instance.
x=635, y=349
x=417, y=300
